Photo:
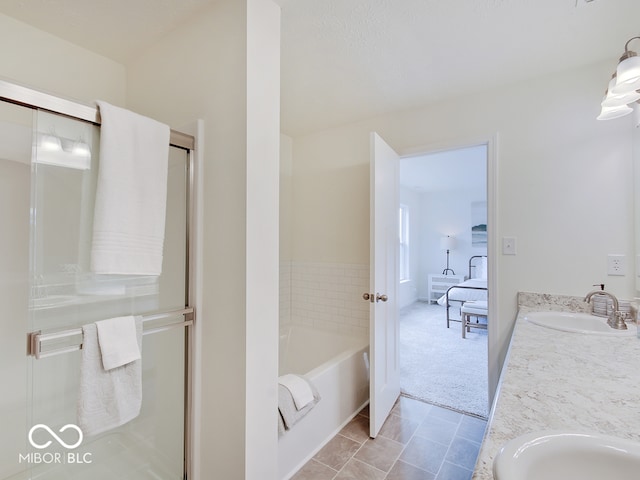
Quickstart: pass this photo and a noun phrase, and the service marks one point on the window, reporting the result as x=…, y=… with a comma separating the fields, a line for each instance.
x=404, y=243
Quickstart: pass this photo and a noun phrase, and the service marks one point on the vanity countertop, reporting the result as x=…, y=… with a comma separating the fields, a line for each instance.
x=555, y=380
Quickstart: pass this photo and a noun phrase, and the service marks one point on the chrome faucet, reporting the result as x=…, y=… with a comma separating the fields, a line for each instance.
x=615, y=319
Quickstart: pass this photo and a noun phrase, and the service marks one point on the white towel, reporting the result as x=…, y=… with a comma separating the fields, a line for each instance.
x=107, y=399
x=118, y=341
x=300, y=389
x=288, y=414
x=131, y=194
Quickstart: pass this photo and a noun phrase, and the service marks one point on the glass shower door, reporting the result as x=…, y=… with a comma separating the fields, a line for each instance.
x=15, y=166
x=64, y=295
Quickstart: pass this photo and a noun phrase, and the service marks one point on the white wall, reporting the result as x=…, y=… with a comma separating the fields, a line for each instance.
x=447, y=213
x=223, y=67
x=564, y=185
x=262, y=217
x=286, y=165
x=330, y=197
x=286, y=173
x=324, y=209
x=35, y=58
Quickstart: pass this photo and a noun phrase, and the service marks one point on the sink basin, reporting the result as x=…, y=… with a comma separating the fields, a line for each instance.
x=578, y=323
x=562, y=455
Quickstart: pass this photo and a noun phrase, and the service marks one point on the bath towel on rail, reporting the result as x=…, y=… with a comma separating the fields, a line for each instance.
x=288, y=413
x=107, y=398
x=131, y=194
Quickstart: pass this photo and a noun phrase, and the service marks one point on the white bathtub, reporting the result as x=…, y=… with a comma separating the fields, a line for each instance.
x=337, y=365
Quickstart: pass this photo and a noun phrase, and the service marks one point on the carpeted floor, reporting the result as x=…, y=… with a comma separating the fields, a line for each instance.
x=437, y=365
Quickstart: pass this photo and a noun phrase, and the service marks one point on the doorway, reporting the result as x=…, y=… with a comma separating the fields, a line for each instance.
x=443, y=211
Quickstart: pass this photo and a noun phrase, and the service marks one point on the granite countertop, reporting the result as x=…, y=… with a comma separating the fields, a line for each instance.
x=554, y=380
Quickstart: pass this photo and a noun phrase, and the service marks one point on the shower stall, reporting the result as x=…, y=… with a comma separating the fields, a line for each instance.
x=49, y=149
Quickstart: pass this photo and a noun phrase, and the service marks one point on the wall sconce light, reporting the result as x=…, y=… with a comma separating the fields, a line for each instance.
x=447, y=243
x=624, y=86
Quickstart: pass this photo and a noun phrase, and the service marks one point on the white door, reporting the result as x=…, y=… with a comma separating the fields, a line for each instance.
x=384, y=387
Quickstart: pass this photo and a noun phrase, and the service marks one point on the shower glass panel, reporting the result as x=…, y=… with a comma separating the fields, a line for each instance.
x=48, y=287
x=64, y=292
x=15, y=166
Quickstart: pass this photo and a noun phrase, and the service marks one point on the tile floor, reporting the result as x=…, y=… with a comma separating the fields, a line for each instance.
x=419, y=441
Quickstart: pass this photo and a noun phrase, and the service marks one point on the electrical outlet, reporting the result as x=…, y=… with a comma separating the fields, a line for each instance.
x=616, y=265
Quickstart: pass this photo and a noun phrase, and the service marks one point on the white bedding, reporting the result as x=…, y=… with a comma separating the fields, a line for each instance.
x=466, y=294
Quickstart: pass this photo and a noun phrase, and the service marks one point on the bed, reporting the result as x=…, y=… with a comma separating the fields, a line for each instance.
x=475, y=288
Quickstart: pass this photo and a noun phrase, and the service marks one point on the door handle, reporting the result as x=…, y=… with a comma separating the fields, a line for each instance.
x=377, y=297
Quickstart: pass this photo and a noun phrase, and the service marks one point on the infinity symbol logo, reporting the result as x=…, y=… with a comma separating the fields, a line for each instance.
x=58, y=439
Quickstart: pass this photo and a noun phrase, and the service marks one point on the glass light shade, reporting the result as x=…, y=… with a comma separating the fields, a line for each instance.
x=627, y=76
x=613, y=100
x=82, y=149
x=50, y=143
x=59, y=153
x=609, y=113
x=447, y=243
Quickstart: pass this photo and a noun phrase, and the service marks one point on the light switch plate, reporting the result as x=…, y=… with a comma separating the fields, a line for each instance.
x=508, y=245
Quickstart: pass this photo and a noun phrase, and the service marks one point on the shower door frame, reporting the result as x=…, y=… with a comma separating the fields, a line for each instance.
x=37, y=100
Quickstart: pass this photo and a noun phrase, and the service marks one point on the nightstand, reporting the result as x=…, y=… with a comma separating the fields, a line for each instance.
x=439, y=284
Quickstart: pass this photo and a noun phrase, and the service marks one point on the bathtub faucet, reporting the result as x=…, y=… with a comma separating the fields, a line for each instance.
x=615, y=319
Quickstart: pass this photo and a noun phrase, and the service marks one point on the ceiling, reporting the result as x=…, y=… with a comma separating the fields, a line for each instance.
x=347, y=60
x=344, y=60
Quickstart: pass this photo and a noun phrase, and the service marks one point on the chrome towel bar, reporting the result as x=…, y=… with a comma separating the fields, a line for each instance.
x=31, y=98
x=35, y=340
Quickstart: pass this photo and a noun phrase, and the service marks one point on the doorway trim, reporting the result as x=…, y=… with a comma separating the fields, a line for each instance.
x=491, y=141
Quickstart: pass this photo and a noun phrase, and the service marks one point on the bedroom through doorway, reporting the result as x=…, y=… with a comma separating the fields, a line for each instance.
x=443, y=242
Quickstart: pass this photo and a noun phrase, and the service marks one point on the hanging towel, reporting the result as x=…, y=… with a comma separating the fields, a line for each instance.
x=287, y=410
x=118, y=341
x=299, y=388
x=107, y=398
x=131, y=194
